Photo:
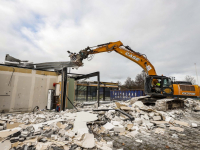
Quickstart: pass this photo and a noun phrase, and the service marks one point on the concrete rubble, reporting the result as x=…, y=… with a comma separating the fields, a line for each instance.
x=87, y=128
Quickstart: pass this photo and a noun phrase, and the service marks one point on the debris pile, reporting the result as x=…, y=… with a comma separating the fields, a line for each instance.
x=85, y=129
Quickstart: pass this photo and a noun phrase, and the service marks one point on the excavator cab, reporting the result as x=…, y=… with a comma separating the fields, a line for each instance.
x=158, y=86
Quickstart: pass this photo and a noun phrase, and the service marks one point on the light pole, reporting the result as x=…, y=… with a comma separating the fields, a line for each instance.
x=196, y=73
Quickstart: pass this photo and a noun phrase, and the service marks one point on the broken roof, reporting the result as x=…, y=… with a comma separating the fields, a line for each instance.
x=11, y=61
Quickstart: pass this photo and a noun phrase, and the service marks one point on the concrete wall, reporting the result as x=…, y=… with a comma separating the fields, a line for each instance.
x=23, y=89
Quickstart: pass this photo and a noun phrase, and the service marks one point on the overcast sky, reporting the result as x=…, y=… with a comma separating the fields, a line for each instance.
x=167, y=32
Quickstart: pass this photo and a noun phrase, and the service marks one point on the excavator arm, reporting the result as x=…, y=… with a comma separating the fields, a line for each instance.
x=118, y=47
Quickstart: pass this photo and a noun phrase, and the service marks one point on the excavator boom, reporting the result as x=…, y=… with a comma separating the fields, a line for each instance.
x=118, y=47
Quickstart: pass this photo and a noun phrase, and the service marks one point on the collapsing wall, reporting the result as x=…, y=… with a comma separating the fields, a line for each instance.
x=23, y=89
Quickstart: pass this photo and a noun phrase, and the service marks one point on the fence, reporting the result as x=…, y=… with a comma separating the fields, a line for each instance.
x=125, y=94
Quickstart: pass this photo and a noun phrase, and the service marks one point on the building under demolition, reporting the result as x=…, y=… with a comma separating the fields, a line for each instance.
x=26, y=85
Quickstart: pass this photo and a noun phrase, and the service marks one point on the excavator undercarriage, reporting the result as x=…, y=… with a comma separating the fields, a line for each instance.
x=163, y=103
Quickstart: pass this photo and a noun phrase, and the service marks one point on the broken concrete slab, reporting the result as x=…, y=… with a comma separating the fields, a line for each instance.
x=102, y=130
x=109, y=113
x=137, y=110
x=6, y=145
x=119, y=129
x=14, y=144
x=145, y=116
x=194, y=125
x=169, y=119
x=175, y=136
x=162, y=125
x=39, y=125
x=156, y=118
x=134, y=99
x=24, y=133
x=135, y=128
x=43, y=146
x=151, y=114
x=138, y=104
x=8, y=132
x=119, y=105
x=108, y=126
x=102, y=145
x=14, y=139
x=124, y=133
x=133, y=133
x=125, y=108
x=116, y=123
x=54, y=137
x=2, y=122
x=70, y=116
x=129, y=126
x=70, y=133
x=60, y=125
x=181, y=123
x=149, y=125
x=110, y=144
x=81, y=120
x=159, y=131
x=139, y=141
x=87, y=141
x=1, y=128
x=178, y=129
x=138, y=121
x=197, y=108
x=159, y=122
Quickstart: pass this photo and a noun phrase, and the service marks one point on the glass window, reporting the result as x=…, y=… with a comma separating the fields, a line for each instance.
x=92, y=93
x=167, y=82
x=107, y=93
x=81, y=93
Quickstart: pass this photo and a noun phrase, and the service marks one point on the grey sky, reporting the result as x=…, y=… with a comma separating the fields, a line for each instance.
x=167, y=31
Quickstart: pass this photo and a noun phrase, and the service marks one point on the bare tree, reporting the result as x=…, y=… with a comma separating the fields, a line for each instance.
x=119, y=83
x=190, y=79
x=138, y=83
x=129, y=84
x=139, y=80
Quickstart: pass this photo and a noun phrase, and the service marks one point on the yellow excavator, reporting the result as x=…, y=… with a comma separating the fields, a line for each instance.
x=157, y=87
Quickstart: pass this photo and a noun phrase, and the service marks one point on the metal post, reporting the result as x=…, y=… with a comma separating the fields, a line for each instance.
x=65, y=88
x=62, y=85
x=76, y=93
x=104, y=93
x=87, y=93
x=98, y=87
x=196, y=74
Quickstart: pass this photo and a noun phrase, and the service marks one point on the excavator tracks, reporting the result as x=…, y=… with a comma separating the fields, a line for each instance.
x=163, y=104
